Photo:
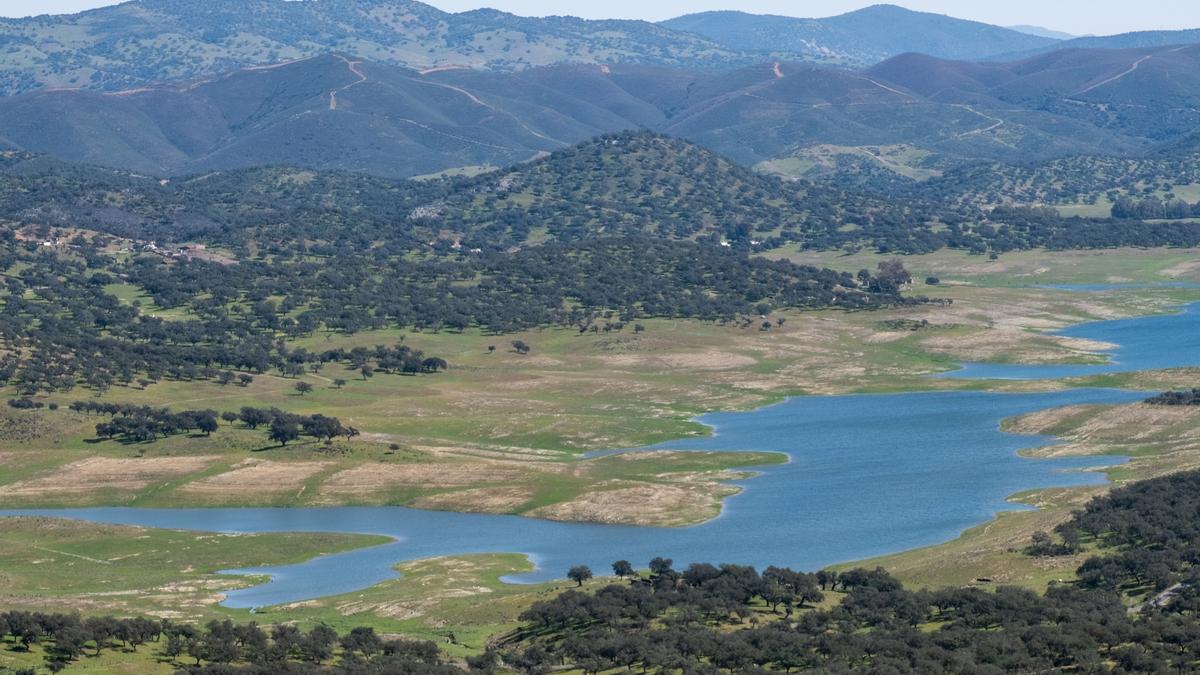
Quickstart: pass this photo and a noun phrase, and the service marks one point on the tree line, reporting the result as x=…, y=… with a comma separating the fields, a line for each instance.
x=1153, y=208
x=134, y=423
x=1185, y=397
x=729, y=618
x=220, y=647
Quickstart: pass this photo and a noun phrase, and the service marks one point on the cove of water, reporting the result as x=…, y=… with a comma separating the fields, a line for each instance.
x=1143, y=343
x=868, y=475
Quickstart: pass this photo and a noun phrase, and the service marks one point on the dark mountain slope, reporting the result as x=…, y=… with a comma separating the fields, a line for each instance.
x=1149, y=95
x=330, y=112
x=768, y=112
x=940, y=79
x=859, y=38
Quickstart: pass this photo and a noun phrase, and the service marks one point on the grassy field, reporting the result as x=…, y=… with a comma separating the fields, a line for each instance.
x=64, y=565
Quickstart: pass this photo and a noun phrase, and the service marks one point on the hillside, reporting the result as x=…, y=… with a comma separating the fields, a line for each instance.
x=1143, y=95
x=1082, y=183
x=333, y=113
x=913, y=115
x=859, y=38
x=1041, y=31
x=146, y=41
x=631, y=185
x=949, y=114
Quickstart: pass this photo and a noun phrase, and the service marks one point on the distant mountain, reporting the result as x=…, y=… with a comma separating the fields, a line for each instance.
x=145, y=41
x=333, y=113
x=1147, y=95
x=1138, y=40
x=1043, y=32
x=859, y=38
x=948, y=112
x=913, y=115
x=150, y=41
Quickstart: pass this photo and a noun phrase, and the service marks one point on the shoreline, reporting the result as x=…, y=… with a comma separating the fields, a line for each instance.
x=738, y=481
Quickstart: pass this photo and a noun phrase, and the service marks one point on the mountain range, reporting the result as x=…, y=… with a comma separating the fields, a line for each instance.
x=335, y=112
x=398, y=88
x=150, y=41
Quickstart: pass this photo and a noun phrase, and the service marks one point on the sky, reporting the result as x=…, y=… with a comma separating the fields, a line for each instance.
x=1099, y=17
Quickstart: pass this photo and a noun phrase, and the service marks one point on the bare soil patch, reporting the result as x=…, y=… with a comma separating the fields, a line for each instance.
x=378, y=476
x=1008, y=342
x=255, y=476
x=498, y=499
x=647, y=504
x=107, y=473
x=1098, y=429
x=1042, y=421
x=1128, y=422
x=1182, y=269
x=706, y=360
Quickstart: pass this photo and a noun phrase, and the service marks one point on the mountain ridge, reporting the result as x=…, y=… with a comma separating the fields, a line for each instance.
x=1132, y=40
x=338, y=112
x=145, y=41
x=858, y=38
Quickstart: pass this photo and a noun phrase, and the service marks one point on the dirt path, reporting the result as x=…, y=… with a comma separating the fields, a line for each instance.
x=456, y=137
x=1136, y=64
x=353, y=66
x=891, y=89
x=997, y=123
x=57, y=552
x=484, y=104
x=1161, y=600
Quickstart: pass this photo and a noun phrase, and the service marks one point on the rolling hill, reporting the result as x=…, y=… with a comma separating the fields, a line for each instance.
x=626, y=184
x=859, y=38
x=619, y=190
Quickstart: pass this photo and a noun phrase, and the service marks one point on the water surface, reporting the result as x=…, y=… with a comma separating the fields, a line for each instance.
x=1144, y=343
x=868, y=475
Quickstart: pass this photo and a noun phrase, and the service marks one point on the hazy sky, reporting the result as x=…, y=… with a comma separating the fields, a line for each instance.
x=1075, y=16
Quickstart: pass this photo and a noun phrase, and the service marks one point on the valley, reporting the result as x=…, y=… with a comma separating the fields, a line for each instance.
x=361, y=336
x=1160, y=446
